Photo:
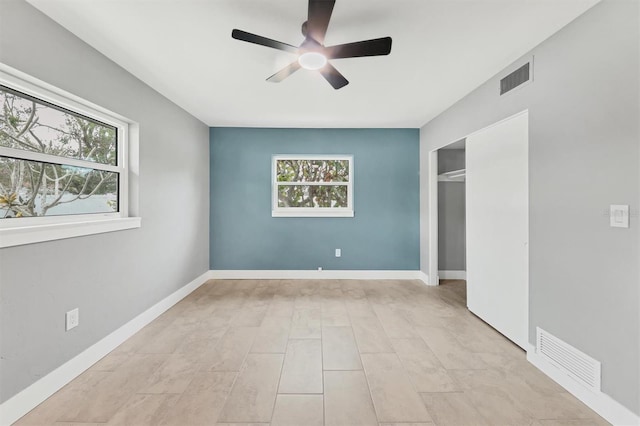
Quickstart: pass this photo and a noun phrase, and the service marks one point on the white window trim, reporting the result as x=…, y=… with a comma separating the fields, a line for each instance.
x=310, y=211
x=28, y=230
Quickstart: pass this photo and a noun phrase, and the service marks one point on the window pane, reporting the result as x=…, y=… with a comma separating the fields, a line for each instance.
x=312, y=170
x=312, y=196
x=33, y=125
x=29, y=188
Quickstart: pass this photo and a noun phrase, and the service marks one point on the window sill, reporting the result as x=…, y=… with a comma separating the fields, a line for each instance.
x=10, y=237
x=311, y=213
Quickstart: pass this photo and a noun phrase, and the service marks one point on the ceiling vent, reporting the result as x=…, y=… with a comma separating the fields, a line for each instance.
x=577, y=365
x=516, y=78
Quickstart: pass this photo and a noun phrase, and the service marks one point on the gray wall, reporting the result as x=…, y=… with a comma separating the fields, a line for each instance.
x=584, y=154
x=383, y=234
x=111, y=277
x=450, y=160
x=451, y=214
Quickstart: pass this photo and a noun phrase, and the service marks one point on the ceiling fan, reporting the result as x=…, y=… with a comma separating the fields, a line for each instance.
x=312, y=53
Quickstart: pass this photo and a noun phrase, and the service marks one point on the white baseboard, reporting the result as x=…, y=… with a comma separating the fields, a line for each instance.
x=425, y=278
x=610, y=409
x=452, y=275
x=23, y=402
x=316, y=275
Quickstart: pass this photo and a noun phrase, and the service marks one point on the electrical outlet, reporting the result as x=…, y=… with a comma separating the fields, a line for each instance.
x=338, y=252
x=72, y=318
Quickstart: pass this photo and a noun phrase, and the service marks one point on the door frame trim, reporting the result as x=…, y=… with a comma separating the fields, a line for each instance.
x=433, y=208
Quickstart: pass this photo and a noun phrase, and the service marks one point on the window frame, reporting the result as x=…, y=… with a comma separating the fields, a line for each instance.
x=277, y=211
x=26, y=230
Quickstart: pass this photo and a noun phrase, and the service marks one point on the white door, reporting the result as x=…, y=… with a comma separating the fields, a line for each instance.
x=498, y=226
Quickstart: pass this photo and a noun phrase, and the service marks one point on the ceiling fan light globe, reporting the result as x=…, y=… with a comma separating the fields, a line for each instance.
x=312, y=60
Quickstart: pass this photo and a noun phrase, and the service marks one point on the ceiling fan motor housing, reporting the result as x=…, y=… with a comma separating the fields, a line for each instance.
x=312, y=54
x=310, y=45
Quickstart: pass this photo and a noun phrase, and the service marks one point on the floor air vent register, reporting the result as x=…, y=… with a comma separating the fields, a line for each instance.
x=576, y=364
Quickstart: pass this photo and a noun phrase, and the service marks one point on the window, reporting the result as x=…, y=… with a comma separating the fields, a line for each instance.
x=320, y=185
x=61, y=162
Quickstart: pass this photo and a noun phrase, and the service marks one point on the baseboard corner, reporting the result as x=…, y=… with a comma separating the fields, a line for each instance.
x=422, y=276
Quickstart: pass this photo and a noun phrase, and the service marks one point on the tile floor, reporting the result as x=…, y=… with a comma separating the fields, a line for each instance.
x=331, y=352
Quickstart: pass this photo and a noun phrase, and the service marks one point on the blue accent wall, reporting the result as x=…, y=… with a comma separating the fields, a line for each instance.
x=383, y=235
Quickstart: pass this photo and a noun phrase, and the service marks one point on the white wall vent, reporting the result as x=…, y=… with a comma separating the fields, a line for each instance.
x=515, y=79
x=578, y=365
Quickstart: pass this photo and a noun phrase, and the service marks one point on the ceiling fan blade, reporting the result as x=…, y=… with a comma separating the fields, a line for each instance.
x=318, y=19
x=284, y=72
x=263, y=41
x=375, y=47
x=333, y=76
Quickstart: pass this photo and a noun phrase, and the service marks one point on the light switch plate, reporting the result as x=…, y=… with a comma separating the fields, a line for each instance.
x=619, y=216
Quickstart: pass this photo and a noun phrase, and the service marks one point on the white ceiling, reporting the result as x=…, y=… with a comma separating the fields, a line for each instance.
x=442, y=49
